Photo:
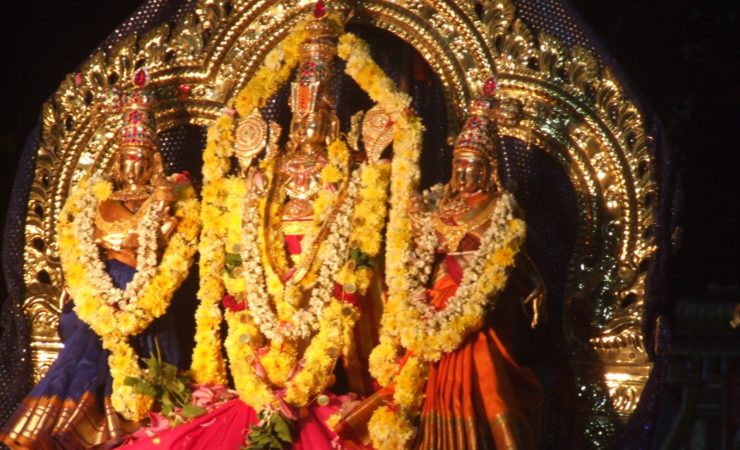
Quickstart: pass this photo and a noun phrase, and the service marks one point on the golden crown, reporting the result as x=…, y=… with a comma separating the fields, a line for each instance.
x=313, y=87
x=479, y=132
x=138, y=128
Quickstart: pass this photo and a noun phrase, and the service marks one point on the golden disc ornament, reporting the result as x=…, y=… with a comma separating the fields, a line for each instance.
x=250, y=137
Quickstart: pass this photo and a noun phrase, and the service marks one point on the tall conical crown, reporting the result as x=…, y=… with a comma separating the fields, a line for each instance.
x=479, y=132
x=137, y=119
x=313, y=87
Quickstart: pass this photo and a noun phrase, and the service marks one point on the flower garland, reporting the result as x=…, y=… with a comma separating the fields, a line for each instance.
x=115, y=314
x=304, y=321
x=332, y=318
x=408, y=322
x=208, y=365
x=429, y=333
x=245, y=340
x=287, y=295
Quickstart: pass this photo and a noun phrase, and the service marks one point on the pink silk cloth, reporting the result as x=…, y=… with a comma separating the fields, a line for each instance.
x=227, y=426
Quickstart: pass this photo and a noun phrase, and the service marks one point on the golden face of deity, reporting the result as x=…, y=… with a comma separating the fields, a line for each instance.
x=470, y=173
x=309, y=131
x=135, y=167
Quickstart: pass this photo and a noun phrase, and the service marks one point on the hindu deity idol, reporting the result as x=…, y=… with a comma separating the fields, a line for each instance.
x=303, y=229
x=126, y=244
x=450, y=380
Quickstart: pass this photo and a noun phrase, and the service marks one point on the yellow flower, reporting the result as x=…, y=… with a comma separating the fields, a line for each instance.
x=410, y=384
x=125, y=322
x=85, y=308
x=370, y=244
x=105, y=324
x=330, y=174
x=345, y=276
x=390, y=429
x=102, y=190
x=362, y=279
x=274, y=285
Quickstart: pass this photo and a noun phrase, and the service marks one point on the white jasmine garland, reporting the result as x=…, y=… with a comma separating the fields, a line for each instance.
x=469, y=300
x=146, y=253
x=332, y=254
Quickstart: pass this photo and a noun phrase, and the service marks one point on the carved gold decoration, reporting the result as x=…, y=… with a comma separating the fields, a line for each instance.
x=250, y=137
x=557, y=98
x=377, y=132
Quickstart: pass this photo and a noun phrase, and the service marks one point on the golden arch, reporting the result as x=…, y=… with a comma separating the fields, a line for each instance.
x=556, y=97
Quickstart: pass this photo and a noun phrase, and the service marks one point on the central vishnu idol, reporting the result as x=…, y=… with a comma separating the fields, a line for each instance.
x=302, y=227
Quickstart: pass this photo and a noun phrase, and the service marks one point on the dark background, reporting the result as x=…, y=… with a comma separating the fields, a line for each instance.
x=680, y=55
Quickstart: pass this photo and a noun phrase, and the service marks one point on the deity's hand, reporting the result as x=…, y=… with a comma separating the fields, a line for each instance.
x=735, y=322
x=416, y=211
x=536, y=306
x=162, y=200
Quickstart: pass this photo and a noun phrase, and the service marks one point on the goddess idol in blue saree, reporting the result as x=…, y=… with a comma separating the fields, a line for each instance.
x=112, y=256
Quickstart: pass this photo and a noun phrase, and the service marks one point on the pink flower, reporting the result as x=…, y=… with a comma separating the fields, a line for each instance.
x=259, y=181
x=230, y=303
x=157, y=423
x=209, y=396
x=259, y=369
x=286, y=410
x=183, y=177
x=203, y=396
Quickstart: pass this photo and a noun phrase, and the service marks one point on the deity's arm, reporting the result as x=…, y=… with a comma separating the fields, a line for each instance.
x=536, y=291
x=163, y=197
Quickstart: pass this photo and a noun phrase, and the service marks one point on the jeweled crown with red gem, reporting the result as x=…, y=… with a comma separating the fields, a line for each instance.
x=479, y=132
x=312, y=87
x=138, y=129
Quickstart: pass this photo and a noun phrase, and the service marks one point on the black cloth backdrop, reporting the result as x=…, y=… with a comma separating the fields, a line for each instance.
x=549, y=246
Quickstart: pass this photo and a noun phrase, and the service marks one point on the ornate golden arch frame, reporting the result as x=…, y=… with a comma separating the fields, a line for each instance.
x=559, y=98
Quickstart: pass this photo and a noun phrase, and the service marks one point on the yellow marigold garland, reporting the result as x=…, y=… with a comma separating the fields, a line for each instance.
x=368, y=219
x=115, y=325
x=392, y=427
x=335, y=327
x=410, y=380
x=208, y=365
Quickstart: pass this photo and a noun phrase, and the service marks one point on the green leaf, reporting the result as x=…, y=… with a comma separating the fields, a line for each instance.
x=165, y=399
x=231, y=262
x=360, y=258
x=233, y=259
x=190, y=411
x=274, y=434
x=283, y=429
x=169, y=388
x=142, y=387
x=169, y=372
x=166, y=409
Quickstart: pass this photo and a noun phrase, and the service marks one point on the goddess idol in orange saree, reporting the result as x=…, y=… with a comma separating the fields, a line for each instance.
x=449, y=380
